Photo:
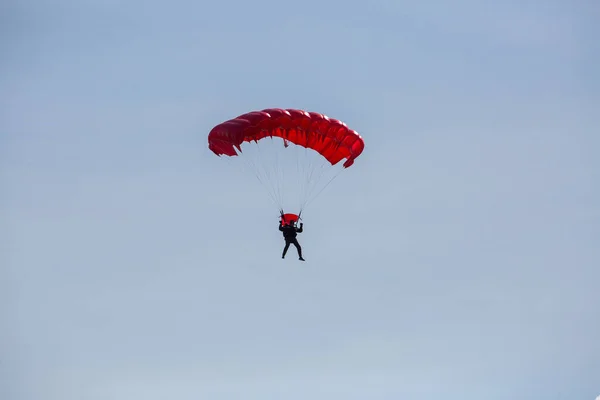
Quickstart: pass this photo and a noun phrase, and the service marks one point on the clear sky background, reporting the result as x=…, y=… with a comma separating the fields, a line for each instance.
x=459, y=258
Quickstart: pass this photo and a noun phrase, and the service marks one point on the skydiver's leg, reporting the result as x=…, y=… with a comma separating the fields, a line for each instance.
x=298, y=247
x=285, y=249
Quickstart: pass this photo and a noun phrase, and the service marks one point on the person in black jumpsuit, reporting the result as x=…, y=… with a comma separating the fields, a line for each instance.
x=289, y=234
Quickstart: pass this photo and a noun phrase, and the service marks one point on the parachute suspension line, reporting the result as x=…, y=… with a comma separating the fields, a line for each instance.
x=302, y=166
x=264, y=177
x=305, y=176
x=316, y=180
x=302, y=153
x=321, y=191
x=272, y=176
x=280, y=171
x=302, y=169
x=267, y=186
x=269, y=176
x=310, y=180
x=282, y=186
x=309, y=161
x=297, y=154
x=269, y=170
x=252, y=166
x=312, y=185
x=311, y=171
x=297, y=182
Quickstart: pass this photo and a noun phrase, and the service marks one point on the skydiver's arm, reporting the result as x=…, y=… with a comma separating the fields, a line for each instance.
x=299, y=230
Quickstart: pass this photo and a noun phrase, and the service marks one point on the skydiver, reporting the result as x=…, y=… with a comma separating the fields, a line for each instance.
x=289, y=234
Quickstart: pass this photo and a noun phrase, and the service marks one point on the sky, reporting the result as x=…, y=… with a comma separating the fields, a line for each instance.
x=458, y=258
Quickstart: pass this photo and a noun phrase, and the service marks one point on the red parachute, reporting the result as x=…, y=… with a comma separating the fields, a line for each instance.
x=329, y=140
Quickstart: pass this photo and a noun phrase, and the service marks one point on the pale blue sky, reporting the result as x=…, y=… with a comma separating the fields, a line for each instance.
x=458, y=258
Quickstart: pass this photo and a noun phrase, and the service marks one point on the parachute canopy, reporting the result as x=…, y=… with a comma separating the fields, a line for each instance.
x=302, y=155
x=327, y=136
